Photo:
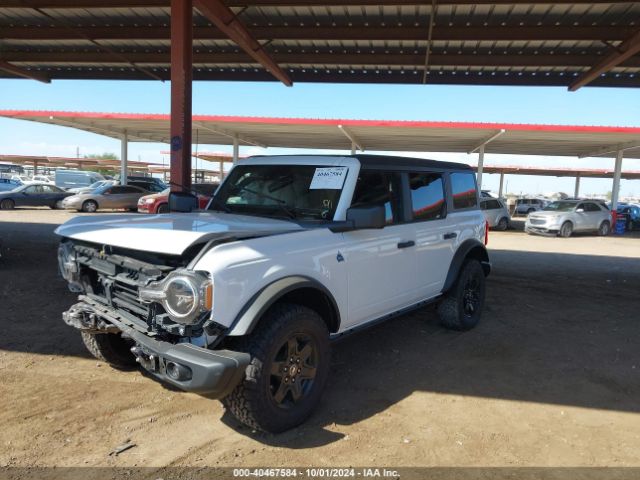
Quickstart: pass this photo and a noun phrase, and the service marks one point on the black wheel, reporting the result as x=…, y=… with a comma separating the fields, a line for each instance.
x=7, y=204
x=566, y=230
x=89, y=206
x=462, y=306
x=604, y=229
x=503, y=224
x=163, y=208
x=110, y=348
x=290, y=356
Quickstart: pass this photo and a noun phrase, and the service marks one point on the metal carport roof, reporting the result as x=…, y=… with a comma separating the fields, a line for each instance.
x=477, y=42
x=371, y=135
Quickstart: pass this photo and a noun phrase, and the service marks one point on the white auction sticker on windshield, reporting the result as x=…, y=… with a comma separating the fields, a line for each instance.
x=331, y=178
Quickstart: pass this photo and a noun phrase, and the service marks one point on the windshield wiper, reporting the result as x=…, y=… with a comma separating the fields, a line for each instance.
x=280, y=203
x=215, y=201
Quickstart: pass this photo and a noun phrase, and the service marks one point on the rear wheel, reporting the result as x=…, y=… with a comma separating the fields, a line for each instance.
x=566, y=230
x=290, y=355
x=604, y=229
x=89, y=206
x=110, y=348
x=7, y=204
x=163, y=208
x=503, y=224
x=462, y=306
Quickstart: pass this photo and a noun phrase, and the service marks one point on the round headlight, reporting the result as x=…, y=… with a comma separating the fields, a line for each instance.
x=182, y=297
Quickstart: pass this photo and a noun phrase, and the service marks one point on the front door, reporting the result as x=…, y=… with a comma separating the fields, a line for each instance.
x=380, y=262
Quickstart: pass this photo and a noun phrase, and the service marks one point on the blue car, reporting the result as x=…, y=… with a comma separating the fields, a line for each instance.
x=7, y=184
x=33, y=195
x=631, y=214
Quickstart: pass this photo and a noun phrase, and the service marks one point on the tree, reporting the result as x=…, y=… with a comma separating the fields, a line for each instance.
x=609, y=195
x=103, y=156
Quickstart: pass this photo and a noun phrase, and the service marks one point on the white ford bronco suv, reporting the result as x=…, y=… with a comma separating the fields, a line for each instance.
x=240, y=301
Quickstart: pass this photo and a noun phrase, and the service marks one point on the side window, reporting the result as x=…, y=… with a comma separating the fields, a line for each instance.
x=31, y=190
x=484, y=205
x=114, y=190
x=129, y=190
x=493, y=205
x=463, y=187
x=427, y=196
x=592, y=207
x=378, y=188
x=581, y=206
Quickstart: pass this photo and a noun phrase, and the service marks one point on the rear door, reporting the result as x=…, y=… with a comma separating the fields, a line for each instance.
x=435, y=235
x=380, y=261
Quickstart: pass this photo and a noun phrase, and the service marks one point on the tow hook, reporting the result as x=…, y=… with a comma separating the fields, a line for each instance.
x=83, y=318
x=147, y=360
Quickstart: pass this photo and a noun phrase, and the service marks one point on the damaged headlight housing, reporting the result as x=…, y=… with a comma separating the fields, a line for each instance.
x=68, y=266
x=185, y=295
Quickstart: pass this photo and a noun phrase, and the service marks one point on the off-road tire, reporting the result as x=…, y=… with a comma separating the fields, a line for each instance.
x=252, y=401
x=163, y=208
x=452, y=309
x=7, y=204
x=565, y=230
x=110, y=348
x=604, y=229
x=89, y=206
x=503, y=224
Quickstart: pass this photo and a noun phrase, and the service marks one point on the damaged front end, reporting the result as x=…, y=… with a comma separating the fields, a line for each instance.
x=160, y=304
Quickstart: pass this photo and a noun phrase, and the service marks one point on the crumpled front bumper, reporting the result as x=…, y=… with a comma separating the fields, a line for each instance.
x=213, y=373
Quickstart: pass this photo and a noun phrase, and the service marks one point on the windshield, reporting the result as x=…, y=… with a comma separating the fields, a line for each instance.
x=560, y=206
x=97, y=184
x=281, y=191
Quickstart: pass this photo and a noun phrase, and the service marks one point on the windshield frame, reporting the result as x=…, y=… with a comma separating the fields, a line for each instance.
x=284, y=210
x=572, y=204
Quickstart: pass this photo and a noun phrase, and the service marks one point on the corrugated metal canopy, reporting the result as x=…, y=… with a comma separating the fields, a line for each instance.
x=371, y=135
x=500, y=42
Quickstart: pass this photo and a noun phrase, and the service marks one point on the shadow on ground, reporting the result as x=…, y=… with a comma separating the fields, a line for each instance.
x=559, y=329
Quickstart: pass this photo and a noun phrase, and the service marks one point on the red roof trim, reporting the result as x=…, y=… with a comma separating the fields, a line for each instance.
x=335, y=122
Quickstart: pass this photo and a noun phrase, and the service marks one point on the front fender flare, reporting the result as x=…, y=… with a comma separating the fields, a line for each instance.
x=252, y=312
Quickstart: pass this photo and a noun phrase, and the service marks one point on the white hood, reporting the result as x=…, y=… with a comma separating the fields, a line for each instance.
x=170, y=233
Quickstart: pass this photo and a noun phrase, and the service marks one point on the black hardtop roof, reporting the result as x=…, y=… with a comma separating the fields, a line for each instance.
x=382, y=161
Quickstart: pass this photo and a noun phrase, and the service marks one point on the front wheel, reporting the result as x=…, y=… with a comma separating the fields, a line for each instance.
x=503, y=224
x=604, y=229
x=462, y=306
x=163, y=208
x=566, y=230
x=89, y=206
x=290, y=356
x=111, y=348
x=7, y=204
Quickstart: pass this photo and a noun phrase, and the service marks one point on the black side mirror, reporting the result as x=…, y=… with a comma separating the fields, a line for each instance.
x=367, y=217
x=182, y=202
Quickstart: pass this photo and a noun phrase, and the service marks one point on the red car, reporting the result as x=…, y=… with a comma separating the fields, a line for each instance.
x=159, y=202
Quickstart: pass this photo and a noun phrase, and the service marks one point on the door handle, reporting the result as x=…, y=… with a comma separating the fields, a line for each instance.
x=450, y=235
x=408, y=244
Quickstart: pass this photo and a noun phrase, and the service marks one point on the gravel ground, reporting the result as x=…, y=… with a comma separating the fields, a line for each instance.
x=551, y=377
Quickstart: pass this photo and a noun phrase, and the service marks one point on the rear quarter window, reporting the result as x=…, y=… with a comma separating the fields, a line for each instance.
x=463, y=189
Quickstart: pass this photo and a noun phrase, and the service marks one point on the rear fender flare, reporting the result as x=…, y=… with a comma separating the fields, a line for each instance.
x=470, y=248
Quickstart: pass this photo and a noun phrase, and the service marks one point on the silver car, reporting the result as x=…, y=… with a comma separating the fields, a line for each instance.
x=108, y=196
x=567, y=216
x=496, y=213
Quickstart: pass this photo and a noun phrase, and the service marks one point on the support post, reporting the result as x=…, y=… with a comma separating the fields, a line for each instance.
x=124, y=154
x=181, y=78
x=480, y=166
x=221, y=167
x=236, y=149
x=353, y=148
x=501, y=184
x=617, y=173
x=576, y=191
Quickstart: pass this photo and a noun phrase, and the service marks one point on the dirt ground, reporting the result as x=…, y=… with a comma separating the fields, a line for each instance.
x=551, y=377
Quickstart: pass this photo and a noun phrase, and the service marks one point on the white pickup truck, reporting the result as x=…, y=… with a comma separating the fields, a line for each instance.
x=240, y=301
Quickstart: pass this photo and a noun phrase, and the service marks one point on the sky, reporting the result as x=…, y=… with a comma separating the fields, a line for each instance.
x=588, y=106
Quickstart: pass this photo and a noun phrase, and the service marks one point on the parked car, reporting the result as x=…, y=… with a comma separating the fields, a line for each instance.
x=240, y=302
x=43, y=179
x=567, y=216
x=92, y=187
x=159, y=202
x=33, y=195
x=23, y=179
x=148, y=185
x=496, y=213
x=630, y=215
x=106, y=197
x=8, y=184
x=525, y=206
x=76, y=178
